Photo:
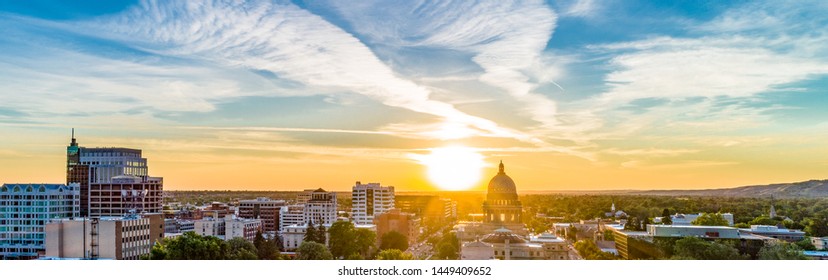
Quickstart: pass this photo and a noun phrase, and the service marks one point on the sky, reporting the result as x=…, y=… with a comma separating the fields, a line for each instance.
x=289, y=95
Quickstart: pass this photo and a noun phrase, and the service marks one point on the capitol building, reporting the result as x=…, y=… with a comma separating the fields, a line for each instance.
x=505, y=236
x=502, y=208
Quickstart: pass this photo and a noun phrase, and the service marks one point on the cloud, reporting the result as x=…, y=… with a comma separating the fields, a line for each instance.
x=505, y=38
x=719, y=77
x=283, y=39
x=580, y=8
x=650, y=152
x=689, y=164
x=703, y=67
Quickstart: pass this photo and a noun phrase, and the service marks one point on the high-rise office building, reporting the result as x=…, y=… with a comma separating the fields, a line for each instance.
x=24, y=211
x=370, y=200
x=113, y=181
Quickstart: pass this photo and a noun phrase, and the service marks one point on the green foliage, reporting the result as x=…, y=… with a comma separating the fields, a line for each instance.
x=711, y=219
x=310, y=234
x=321, y=237
x=365, y=241
x=446, y=251
x=633, y=224
x=781, y=251
x=805, y=245
x=346, y=240
x=394, y=254
x=394, y=240
x=241, y=249
x=310, y=250
x=609, y=235
x=191, y=246
x=158, y=252
x=267, y=249
x=693, y=248
x=572, y=233
x=742, y=225
x=764, y=220
x=448, y=247
x=816, y=226
x=588, y=250
x=539, y=225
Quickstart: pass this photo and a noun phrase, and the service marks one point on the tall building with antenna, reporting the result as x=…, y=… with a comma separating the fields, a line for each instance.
x=113, y=181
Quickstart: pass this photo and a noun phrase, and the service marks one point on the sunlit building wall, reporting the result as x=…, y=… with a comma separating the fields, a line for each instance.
x=370, y=200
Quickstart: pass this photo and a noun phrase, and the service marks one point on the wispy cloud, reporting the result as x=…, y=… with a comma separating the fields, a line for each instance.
x=580, y=8
x=283, y=39
x=690, y=164
x=506, y=39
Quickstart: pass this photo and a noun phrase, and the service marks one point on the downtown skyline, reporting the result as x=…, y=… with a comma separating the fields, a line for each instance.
x=281, y=95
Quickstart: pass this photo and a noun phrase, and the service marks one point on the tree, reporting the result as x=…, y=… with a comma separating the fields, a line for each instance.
x=241, y=249
x=816, y=227
x=588, y=250
x=805, y=245
x=394, y=240
x=694, y=248
x=259, y=240
x=267, y=249
x=365, y=242
x=448, y=247
x=310, y=233
x=310, y=250
x=781, y=251
x=342, y=239
x=572, y=233
x=632, y=224
x=665, y=217
x=321, y=237
x=446, y=251
x=191, y=246
x=764, y=220
x=158, y=251
x=609, y=235
x=711, y=219
x=394, y=254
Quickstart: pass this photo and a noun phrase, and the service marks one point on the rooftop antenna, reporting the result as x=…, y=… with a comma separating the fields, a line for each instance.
x=74, y=143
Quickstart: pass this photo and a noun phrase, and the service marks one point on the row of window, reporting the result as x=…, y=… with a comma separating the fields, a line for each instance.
x=39, y=202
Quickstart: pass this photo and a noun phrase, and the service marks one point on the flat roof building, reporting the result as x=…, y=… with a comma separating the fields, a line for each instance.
x=265, y=209
x=370, y=200
x=120, y=238
x=25, y=209
x=113, y=181
x=789, y=235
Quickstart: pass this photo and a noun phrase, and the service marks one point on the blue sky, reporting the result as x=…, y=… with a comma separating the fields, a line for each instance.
x=703, y=92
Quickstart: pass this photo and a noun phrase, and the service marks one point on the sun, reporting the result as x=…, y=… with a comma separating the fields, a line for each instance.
x=453, y=168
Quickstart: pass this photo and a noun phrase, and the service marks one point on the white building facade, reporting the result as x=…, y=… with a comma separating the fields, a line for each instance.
x=321, y=207
x=118, y=238
x=228, y=227
x=370, y=200
x=24, y=211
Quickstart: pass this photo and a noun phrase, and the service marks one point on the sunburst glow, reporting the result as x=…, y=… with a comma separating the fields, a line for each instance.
x=453, y=168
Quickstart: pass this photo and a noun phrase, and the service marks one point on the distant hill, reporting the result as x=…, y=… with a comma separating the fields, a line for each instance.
x=807, y=189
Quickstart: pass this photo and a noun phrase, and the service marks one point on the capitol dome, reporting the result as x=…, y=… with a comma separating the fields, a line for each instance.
x=501, y=186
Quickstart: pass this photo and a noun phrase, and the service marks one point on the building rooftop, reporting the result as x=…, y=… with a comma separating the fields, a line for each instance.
x=694, y=226
x=815, y=253
x=771, y=229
